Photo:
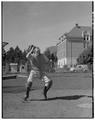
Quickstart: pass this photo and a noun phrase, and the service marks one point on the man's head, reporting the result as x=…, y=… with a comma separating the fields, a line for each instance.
x=37, y=50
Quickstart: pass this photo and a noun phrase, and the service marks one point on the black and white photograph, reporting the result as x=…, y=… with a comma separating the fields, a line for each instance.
x=47, y=59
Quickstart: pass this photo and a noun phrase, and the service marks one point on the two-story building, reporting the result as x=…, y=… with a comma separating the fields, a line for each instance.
x=71, y=44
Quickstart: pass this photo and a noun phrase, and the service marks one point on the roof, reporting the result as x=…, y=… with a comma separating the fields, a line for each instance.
x=13, y=64
x=77, y=31
x=4, y=44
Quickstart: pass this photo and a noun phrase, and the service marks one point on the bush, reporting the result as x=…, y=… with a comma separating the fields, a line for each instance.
x=86, y=57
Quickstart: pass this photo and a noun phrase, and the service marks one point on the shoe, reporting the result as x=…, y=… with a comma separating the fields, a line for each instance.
x=45, y=96
x=45, y=93
x=25, y=98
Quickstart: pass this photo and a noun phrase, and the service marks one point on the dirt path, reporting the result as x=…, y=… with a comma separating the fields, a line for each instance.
x=61, y=104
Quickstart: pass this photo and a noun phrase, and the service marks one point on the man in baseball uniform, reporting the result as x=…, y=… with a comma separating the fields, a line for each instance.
x=40, y=64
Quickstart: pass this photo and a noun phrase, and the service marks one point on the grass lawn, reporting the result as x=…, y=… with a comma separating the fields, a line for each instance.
x=60, y=81
x=69, y=92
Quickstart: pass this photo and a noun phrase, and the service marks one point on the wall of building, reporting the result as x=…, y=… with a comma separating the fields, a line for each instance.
x=73, y=51
x=68, y=52
x=61, y=49
x=61, y=53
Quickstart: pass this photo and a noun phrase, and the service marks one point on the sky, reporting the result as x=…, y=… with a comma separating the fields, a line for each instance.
x=41, y=23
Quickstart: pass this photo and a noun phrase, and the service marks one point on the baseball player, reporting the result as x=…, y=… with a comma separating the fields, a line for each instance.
x=40, y=64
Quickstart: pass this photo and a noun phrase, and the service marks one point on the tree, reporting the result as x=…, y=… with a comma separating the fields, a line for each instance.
x=51, y=56
x=23, y=57
x=47, y=53
x=14, y=55
x=3, y=56
x=18, y=55
x=86, y=57
x=10, y=55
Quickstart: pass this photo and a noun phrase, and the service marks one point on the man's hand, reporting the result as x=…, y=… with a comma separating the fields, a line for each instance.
x=30, y=50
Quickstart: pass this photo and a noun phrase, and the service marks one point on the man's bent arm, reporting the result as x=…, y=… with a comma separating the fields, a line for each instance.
x=29, y=53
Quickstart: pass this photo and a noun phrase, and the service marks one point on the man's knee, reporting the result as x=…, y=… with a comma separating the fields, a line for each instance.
x=29, y=85
x=49, y=84
x=31, y=76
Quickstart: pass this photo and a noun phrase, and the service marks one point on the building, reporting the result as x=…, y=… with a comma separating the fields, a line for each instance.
x=13, y=67
x=71, y=44
x=23, y=68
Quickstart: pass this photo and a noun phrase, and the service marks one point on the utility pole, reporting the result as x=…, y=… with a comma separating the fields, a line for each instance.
x=84, y=35
x=92, y=52
x=71, y=53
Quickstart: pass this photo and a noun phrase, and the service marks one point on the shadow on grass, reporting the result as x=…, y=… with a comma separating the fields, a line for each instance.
x=73, y=97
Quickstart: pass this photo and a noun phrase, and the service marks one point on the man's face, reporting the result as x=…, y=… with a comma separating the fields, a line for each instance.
x=37, y=51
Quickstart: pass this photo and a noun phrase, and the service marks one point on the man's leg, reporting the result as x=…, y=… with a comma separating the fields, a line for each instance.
x=29, y=85
x=48, y=84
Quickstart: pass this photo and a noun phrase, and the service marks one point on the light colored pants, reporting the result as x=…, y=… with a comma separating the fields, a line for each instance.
x=38, y=75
